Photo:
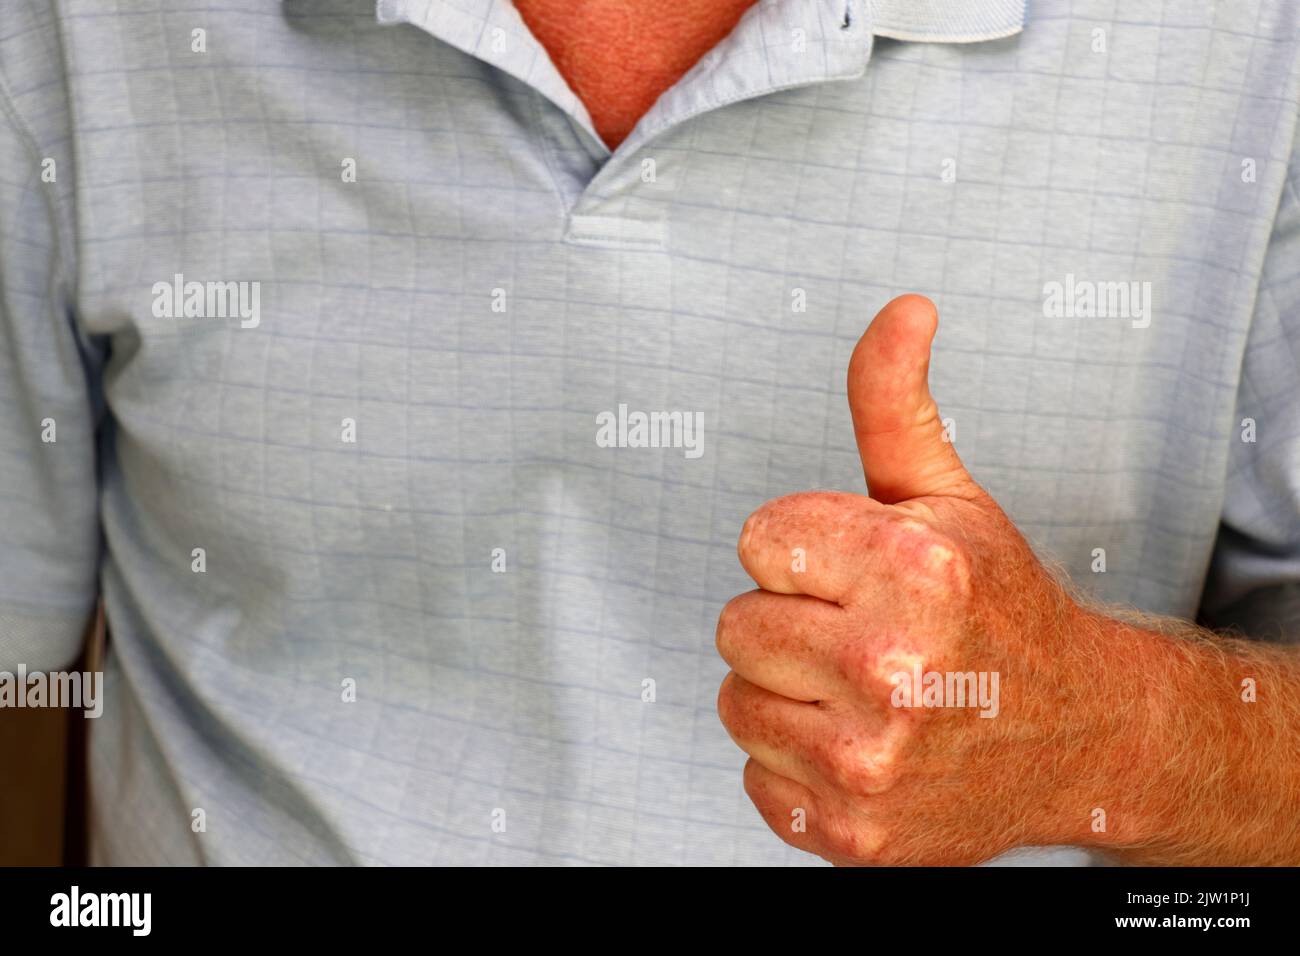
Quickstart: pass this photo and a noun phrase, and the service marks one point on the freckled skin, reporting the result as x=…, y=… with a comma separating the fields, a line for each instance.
x=618, y=56
x=929, y=571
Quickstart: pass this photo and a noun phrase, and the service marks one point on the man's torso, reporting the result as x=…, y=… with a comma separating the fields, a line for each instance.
x=395, y=475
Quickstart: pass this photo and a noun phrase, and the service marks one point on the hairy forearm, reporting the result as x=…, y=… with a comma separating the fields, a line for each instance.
x=1212, y=750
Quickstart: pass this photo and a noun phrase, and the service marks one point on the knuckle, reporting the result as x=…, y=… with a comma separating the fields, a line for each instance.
x=838, y=840
x=863, y=767
x=850, y=837
x=949, y=563
x=882, y=764
x=861, y=664
x=874, y=666
x=928, y=558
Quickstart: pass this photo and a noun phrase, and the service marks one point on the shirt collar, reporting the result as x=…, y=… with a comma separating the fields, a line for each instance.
x=946, y=21
x=922, y=21
x=835, y=41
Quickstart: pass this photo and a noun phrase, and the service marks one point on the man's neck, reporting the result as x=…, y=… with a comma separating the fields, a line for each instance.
x=618, y=56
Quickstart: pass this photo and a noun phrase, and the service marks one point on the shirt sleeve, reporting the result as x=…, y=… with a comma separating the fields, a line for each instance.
x=1254, y=579
x=49, y=528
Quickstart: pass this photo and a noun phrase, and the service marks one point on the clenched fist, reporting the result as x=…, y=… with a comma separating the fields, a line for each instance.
x=910, y=683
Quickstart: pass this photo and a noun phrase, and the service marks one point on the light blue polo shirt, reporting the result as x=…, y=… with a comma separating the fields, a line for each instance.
x=329, y=302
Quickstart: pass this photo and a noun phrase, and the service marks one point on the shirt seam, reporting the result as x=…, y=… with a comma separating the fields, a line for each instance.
x=54, y=204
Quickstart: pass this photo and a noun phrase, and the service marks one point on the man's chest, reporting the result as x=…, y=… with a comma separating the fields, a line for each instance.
x=435, y=349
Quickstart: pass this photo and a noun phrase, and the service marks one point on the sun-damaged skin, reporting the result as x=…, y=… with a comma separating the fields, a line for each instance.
x=618, y=56
x=1127, y=736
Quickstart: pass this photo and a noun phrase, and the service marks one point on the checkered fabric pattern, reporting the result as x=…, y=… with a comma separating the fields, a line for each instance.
x=495, y=586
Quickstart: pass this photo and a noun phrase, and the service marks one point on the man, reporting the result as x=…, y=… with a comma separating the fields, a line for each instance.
x=420, y=426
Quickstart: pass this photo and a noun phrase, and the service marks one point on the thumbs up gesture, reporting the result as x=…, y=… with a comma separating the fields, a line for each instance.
x=911, y=684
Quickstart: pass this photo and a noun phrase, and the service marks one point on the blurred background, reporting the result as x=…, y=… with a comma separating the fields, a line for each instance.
x=43, y=776
x=34, y=803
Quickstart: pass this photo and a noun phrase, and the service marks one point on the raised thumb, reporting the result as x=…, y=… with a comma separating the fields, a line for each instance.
x=899, y=432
